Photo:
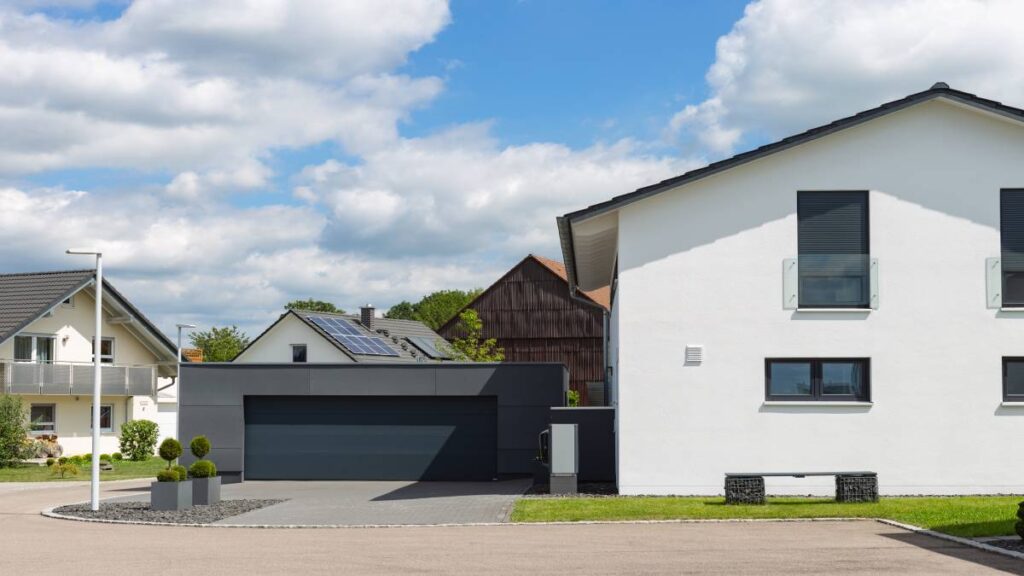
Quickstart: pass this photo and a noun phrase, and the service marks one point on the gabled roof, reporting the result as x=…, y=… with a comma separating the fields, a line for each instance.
x=394, y=333
x=26, y=297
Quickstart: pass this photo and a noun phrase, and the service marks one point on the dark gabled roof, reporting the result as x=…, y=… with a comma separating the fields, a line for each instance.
x=938, y=90
x=394, y=332
x=25, y=297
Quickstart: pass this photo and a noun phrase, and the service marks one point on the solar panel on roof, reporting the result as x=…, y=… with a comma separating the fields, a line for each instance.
x=429, y=347
x=351, y=338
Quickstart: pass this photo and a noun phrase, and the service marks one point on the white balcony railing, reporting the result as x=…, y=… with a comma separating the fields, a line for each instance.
x=75, y=378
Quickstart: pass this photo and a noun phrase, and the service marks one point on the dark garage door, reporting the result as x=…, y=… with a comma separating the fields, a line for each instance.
x=370, y=438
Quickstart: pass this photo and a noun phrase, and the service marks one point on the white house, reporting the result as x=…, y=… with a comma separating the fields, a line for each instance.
x=47, y=326
x=318, y=337
x=849, y=298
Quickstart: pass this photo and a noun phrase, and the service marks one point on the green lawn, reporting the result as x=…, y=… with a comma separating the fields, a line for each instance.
x=123, y=470
x=969, y=516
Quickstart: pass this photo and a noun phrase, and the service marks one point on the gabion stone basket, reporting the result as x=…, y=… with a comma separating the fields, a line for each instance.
x=744, y=490
x=856, y=488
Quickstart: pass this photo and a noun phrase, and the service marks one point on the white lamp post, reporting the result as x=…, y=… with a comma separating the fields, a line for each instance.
x=97, y=374
x=177, y=392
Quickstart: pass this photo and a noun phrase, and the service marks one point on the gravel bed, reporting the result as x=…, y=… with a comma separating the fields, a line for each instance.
x=1015, y=544
x=140, y=511
x=586, y=490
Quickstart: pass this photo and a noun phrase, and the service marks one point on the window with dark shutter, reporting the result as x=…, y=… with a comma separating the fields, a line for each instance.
x=834, y=259
x=1011, y=226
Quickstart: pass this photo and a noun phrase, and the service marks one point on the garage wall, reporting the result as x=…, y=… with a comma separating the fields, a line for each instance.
x=212, y=399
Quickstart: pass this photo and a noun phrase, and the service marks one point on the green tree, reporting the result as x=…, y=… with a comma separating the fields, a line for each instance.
x=404, y=310
x=313, y=306
x=14, y=429
x=220, y=344
x=471, y=348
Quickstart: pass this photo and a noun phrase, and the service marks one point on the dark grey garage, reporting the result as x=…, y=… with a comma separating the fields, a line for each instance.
x=370, y=422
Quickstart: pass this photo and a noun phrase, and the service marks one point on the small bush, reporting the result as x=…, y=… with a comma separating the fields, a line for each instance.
x=574, y=398
x=168, y=476
x=138, y=439
x=200, y=446
x=77, y=460
x=170, y=449
x=62, y=460
x=117, y=456
x=181, y=471
x=202, y=469
x=50, y=461
x=65, y=469
x=105, y=457
x=87, y=457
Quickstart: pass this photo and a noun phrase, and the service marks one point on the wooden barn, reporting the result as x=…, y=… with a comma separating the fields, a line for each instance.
x=530, y=313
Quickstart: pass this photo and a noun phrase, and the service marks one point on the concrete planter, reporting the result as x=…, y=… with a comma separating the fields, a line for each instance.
x=205, y=491
x=171, y=495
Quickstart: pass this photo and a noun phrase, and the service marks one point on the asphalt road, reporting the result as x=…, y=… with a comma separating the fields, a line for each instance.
x=33, y=544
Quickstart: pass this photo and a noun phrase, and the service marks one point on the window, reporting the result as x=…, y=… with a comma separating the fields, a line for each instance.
x=68, y=302
x=839, y=379
x=832, y=238
x=1013, y=379
x=106, y=351
x=106, y=417
x=33, y=348
x=1011, y=228
x=298, y=352
x=43, y=418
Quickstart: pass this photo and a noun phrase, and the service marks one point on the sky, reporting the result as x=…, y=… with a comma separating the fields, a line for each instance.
x=230, y=156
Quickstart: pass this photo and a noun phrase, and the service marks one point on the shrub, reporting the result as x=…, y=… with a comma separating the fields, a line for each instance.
x=117, y=456
x=138, y=439
x=574, y=398
x=181, y=472
x=87, y=457
x=62, y=460
x=202, y=469
x=105, y=457
x=50, y=461
x=168, y=476
x=65, y=469
x=1019, y=526
x=170, y=449
x=14, y=429
x=76, y=460
x=200, y=446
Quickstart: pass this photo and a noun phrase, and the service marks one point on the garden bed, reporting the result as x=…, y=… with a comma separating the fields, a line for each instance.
x=140, y=511
x=123, y=470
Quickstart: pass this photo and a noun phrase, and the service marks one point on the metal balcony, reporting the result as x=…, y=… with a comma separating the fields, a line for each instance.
x=75, y=379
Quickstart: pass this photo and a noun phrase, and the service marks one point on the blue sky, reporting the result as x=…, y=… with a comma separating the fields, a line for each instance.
x=229, y=157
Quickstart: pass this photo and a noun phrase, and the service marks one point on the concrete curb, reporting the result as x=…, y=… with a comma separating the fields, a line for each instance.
x=950, y=538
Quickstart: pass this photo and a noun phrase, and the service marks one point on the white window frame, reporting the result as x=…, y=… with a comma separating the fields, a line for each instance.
x=35, y=345
x=102, y=406
x=113, y=350
x=293, y=347
x=53, y=424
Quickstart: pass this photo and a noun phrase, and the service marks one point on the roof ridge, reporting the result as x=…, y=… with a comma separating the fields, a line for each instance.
x=48, y=272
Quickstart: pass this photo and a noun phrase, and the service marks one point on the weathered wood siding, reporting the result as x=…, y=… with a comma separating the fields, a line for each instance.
x=530, y=313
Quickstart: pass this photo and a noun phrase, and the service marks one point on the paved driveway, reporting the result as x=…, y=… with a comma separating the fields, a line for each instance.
x=860, y=547
x=366, y=503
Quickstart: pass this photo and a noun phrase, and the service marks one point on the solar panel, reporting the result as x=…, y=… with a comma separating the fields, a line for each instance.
x=428, y=346
x=351, y=338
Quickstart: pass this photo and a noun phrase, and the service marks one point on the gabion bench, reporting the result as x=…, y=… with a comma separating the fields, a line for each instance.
x=748, y=487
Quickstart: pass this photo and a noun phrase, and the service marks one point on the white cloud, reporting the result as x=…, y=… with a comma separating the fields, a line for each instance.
x=789, y=65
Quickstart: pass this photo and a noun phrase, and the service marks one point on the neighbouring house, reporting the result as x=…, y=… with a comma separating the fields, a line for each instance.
x=534, y=318
x=848, y=298
x=320, y=337
x=47, y=328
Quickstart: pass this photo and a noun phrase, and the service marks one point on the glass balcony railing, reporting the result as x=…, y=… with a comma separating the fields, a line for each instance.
x=73, y=378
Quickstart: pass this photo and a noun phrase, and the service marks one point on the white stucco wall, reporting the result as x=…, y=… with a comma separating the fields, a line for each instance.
x=702, y=265
x=276, y=345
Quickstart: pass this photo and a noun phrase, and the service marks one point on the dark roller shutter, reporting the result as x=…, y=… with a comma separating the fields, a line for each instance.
x=833, y=249
x=370, y=437
x=1011, y=226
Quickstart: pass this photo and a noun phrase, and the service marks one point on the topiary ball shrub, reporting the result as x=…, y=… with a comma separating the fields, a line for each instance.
x=202, y=469
x=138, y=439
x=105, y=457
x=167, y=476
x=50, y=461
x=117, y=456
x=170, y=449
x=200, y=446
x=181, y=471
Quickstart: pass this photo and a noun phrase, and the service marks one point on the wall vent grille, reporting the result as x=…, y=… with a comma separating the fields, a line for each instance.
x=694, y=354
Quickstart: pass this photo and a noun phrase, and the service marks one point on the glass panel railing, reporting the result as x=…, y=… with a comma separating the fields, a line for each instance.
x=834, y=280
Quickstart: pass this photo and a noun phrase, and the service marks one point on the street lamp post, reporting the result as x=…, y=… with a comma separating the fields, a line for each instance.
x=177, y=392
x=97, y=374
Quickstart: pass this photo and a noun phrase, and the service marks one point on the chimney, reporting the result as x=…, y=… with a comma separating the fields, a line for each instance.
x=366, y=313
